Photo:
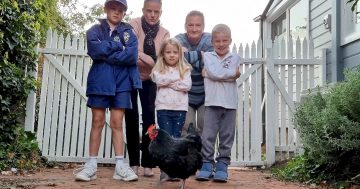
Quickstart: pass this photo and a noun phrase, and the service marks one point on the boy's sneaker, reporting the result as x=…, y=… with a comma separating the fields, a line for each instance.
x=221, y=174
x=205, y=173
x=125, y=173
x=86, y=173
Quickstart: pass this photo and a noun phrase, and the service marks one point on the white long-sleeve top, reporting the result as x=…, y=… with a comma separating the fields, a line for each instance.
x=220, y=84
x=172, y=91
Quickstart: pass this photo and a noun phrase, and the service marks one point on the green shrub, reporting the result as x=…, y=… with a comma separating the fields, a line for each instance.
x=346, y=96
x=295, y=170
x=23, y=153
x=19, y=35
x=329, y=127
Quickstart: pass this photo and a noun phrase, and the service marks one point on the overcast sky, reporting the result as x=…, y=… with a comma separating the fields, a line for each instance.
x=238, y=15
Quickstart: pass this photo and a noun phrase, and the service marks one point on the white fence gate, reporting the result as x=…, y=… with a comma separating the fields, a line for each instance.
x=271, y=86
x=268, y=85
x=64, y=121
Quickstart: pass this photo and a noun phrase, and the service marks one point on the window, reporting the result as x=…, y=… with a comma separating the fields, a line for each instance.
x=278, y=27
x=350, y=23
x=294, y=20
x=298, y=20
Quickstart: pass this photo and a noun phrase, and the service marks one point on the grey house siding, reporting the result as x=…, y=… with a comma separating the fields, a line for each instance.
x=321, y=36
x=351, y=55
x=338, y=57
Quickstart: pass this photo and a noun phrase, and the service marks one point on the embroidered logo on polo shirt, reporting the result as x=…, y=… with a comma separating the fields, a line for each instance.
x=226, y=64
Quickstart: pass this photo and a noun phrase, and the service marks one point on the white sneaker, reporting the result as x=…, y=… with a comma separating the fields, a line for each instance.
x=85, y=173
x=125, y=173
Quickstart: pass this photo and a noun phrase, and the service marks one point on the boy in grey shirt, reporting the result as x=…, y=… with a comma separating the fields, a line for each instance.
x=221, y=69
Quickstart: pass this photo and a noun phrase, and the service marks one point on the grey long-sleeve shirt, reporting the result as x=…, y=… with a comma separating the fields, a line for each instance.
x=193, y=56
x=220, y=87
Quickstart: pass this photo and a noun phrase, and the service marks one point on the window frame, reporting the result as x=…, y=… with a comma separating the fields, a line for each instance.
x=350, y=26
x=281, y=8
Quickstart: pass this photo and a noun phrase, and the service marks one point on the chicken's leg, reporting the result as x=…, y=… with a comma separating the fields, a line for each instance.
x=182, y=184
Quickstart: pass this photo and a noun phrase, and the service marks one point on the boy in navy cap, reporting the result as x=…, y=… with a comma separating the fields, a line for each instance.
x=112, y=45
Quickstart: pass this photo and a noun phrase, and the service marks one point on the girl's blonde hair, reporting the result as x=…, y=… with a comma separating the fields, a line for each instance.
x=161, y=66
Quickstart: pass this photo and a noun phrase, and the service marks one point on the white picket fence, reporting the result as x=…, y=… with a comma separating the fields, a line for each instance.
x=270, y=85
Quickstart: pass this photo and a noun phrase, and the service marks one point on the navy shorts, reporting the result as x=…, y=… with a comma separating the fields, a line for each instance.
x=120, y=100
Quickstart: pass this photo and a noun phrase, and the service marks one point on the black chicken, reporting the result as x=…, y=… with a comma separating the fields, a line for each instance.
x=177, y=157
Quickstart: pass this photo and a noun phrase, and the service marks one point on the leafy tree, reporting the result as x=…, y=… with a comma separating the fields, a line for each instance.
x=353, y=4
x=51, y=17
x=68, y=16
x=78, y=16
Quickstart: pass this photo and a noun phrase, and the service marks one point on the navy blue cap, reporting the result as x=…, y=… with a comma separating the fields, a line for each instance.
x=123, y=2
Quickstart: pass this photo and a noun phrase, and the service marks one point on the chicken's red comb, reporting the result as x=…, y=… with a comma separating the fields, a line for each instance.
x=152, y=127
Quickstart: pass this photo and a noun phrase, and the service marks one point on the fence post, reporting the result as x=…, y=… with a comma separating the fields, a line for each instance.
x=269, y=111
x=31, y=103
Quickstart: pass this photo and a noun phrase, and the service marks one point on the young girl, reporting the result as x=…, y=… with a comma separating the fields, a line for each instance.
x=172, y=77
